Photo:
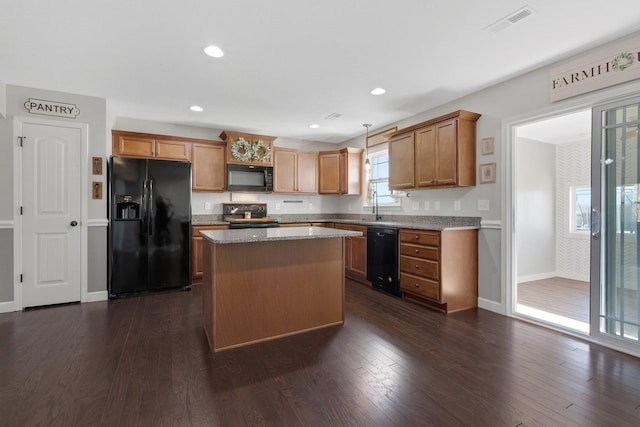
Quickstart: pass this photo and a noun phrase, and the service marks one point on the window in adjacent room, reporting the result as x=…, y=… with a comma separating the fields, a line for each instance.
x=580, y=209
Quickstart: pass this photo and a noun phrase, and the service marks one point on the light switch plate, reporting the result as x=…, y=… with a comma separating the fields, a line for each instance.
x=277, y=206
x=426, y=205
x=207, y=206
x=483, y=205
x=415, y=206
x=456, y=205
x=436, y=205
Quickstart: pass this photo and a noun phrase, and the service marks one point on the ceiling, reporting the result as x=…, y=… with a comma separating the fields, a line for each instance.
x=289, y=63
x=564, y=129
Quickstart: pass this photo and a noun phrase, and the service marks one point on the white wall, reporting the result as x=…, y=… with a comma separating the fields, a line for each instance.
x=535, y=210
x=573, y=168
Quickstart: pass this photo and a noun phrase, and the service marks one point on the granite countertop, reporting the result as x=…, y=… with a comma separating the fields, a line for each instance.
x=249, y=235
x=435, y=223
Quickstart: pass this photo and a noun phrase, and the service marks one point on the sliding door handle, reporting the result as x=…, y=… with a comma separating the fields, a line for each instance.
x=595, y=223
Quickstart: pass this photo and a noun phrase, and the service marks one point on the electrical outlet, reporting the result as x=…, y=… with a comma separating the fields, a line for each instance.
x=277, y=206
x=483, y=205
x=310, y=206
x=415, y=206
x=207, y=206
x=426, y=205
x=456, y=205
x=349, y=206
x=436, y=206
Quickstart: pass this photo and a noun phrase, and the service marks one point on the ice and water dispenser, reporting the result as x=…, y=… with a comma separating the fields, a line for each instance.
x=126, y=208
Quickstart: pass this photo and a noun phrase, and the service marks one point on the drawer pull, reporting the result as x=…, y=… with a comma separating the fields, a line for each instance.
x=417, y=285
x=417, y=266
x=417, y=251
x=417, y=237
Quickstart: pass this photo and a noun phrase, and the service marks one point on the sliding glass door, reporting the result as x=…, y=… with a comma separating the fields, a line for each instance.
x=615, y=248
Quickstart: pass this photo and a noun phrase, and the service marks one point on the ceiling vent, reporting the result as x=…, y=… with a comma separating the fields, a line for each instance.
x=510, y=19
x=333, y=116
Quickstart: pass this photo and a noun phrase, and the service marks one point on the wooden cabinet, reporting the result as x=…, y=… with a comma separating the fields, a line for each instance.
x=340, y=172
x=207, y=156
x=248, y=149
x=208, y=169
x=355, y=253
x=197, y=242
x=295, y=171
x=131, y=144
x=436, y=153
x=440, y=268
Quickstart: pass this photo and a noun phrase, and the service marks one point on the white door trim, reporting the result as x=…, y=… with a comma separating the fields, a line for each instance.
x=18, y=122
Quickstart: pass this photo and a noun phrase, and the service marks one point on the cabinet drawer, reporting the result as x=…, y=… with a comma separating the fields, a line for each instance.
x=419, y=285
x=429, y=238
x=420, y=267
x=419, y=251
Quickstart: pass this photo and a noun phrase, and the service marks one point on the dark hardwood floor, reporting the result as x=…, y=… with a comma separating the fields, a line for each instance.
x=145, y=362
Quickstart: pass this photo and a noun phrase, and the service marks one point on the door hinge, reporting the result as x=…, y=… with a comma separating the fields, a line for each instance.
x=21, y=138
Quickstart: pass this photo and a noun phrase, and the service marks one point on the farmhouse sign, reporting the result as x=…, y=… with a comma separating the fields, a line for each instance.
x=616, y=64
x=51, y=108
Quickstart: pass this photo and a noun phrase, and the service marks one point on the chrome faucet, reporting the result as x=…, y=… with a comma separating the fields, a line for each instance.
x=376, y=208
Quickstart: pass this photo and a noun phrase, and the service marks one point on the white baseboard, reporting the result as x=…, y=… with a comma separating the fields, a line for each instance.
x=540, y=276
x=496, y=307
x=574, y=277
x=97, y=296
x=6, y=307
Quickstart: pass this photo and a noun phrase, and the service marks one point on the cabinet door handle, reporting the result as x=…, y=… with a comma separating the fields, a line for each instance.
x=417, y=266
x=417, y=286
x=417, y=251
x=417, y=237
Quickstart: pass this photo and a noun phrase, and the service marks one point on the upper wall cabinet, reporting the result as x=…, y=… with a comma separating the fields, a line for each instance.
x=133, y=144
x=248, y=149
x=208, y=172
x=340, y=171
x=437, y=153
x=295, y=171
x=207, y=157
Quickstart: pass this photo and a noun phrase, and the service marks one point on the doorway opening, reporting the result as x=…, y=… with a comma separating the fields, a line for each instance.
x=552, y=227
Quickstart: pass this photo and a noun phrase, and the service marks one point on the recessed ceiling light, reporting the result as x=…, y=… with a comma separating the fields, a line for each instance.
x=214, y=51
x=314, y=126
x=378, y=91
x=196, y=108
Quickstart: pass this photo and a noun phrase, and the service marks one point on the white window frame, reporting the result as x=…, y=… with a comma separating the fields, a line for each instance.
x=573, y=212
x=380, y=150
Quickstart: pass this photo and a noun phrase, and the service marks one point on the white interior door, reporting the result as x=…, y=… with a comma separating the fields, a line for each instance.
x=51, y=206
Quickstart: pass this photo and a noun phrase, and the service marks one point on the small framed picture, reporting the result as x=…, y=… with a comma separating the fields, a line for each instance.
x=487, y=173
x=486, y=145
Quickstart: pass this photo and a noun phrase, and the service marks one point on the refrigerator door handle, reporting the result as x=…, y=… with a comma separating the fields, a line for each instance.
x=144, y=205
x=150, y=210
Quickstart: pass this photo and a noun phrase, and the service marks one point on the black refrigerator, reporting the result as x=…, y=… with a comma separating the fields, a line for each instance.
x=149, y=226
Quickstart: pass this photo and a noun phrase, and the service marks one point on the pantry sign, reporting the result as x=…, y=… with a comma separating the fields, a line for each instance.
x=619, y=63
x=51, y=108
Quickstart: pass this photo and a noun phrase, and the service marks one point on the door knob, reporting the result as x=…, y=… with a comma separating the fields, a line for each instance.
x=73, y=223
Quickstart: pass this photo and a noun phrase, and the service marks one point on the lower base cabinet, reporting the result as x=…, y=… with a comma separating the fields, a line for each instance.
x=440, y=268
x=197, y=249
x=355, y=253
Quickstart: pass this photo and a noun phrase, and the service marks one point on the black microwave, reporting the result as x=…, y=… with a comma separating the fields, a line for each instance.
x=250, y=178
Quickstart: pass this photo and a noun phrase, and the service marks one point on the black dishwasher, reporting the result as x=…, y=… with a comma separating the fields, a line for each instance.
x=382, y=259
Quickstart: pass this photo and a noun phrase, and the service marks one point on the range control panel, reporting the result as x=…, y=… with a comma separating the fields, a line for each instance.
x=237, y=210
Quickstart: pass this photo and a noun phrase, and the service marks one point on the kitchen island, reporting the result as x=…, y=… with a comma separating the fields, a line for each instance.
x=266, y=283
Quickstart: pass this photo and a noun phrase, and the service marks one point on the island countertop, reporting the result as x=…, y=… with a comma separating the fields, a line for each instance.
x=247, y=235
